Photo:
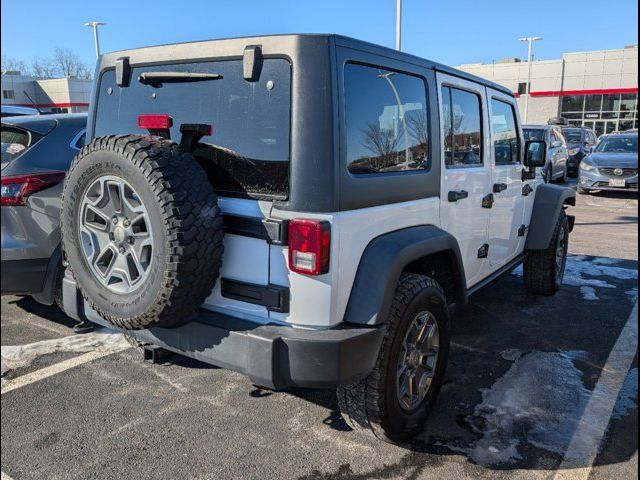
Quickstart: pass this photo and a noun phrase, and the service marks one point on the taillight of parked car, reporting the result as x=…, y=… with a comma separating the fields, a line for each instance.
x=309, y=246
x=16, y=188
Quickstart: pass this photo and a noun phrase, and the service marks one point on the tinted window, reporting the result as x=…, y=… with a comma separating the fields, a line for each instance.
x=615, y=144
x=387, y=121
x=534, y=135
x=573, y=103
x=628, y=102
x=611, y=103
x=574, y=137
x=593, y=103
x=462, y=128
x=504, y=133
x=248, y=152
x=14, y=142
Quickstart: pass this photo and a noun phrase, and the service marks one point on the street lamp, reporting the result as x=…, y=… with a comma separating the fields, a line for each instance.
x=530, y=41
x=96, y=41
x=398, y=24
x=387, y=77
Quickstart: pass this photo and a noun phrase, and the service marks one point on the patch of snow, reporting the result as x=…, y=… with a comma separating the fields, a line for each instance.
x=21, y=356
x=539, y=401
x=589, y=293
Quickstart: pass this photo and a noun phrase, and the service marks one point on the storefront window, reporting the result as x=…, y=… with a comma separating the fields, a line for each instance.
x=610, y=103
x=593, y=103
x=573, y=103
x=629, y=102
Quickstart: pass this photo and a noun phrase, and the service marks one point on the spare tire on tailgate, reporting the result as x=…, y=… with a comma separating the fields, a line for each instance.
x=141, y=231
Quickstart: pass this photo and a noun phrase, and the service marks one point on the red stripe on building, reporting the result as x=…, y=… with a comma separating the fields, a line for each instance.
x=598, y=91
x=51, y=105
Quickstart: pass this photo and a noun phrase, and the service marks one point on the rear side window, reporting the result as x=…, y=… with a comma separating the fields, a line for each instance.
x=387, y=122
x=14, y=143
x=534, y=135
x=248, y=152
x=504, y=134
x=462, y=128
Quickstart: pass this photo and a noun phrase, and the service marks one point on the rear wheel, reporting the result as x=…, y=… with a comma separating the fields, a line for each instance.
x=141, y=230
x=544, y=269
x=394, y=401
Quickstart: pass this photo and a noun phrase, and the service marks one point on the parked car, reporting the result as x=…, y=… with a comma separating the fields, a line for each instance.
x=613, y=165
x=580, y=142
x=17, y=111
x=306, y=210
x=36, y=153
x=556, y=165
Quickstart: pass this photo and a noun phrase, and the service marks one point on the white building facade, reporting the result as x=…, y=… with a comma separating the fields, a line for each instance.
x=597, y=89
x=55, y=95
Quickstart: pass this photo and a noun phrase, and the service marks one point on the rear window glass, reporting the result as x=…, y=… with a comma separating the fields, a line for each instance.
x=534, y=134
x=248, y=152
x=573, y=137
x=14, y=143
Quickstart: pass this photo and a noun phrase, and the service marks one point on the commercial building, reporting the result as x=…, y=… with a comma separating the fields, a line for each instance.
x=597, y=89
x=54, y=95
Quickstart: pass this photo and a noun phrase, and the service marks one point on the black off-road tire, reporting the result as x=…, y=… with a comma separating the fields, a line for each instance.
x=542, y=276
x=186, y=224
x=371, y=405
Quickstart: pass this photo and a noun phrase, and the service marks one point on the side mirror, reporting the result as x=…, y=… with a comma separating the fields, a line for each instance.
x=535, y=154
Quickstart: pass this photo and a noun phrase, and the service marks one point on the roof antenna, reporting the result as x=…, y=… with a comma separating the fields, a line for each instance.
x=32, y=102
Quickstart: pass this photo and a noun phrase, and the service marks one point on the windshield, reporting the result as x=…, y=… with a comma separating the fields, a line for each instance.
x=14, y=143
x=618, y=145
x=534, y=134
x=247, y=153
x=573, y=137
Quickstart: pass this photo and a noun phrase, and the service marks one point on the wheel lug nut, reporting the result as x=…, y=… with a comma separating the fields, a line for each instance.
x=121, y=249
x=114, y=220
x=126, y=222
x=132, y=240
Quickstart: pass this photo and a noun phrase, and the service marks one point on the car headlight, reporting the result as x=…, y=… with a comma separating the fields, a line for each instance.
x=587, y=167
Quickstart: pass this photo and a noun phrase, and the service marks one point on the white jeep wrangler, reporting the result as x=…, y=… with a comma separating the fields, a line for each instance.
x=306, y=210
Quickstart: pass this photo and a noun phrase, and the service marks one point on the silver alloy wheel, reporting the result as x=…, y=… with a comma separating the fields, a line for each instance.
x=417, y=360
x=115, y=234
x=561, y=254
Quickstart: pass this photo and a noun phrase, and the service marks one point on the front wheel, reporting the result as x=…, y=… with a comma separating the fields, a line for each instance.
x=544, y=269
x=394, y=401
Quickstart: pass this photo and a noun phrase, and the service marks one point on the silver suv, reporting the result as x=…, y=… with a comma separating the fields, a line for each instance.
x=556, y=167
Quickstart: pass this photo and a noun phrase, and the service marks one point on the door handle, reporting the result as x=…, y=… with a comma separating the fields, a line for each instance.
x=456, y=195
x=499, y=187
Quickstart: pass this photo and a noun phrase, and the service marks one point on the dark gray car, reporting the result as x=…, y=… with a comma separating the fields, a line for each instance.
x=556, y=167
x=36, y=153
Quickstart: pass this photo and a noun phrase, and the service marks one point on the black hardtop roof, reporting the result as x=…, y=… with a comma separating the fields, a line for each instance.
x=108, y=60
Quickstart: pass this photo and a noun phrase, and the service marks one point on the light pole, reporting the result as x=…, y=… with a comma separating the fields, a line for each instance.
x=398, y=24
x=530, y=41
x=96, y=41
x=387, y=77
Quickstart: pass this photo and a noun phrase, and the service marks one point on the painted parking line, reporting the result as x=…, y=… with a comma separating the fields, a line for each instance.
x=60, y=367
x=585, y=443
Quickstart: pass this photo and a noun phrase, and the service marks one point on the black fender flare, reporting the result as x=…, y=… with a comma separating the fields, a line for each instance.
x=382, y=262
x=548, y=203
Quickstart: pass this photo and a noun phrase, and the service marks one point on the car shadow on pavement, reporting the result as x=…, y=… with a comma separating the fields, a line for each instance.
x=48, y=312
x=521, y=371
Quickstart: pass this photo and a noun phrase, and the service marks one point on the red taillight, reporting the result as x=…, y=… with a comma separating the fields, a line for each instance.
x=309, y=246
x=16, y=188
x=155, y=122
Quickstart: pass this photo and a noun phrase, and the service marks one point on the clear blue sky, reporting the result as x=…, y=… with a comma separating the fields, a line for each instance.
x=450, y=31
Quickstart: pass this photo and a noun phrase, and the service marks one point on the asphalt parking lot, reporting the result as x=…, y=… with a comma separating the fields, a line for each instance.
x=536, y=388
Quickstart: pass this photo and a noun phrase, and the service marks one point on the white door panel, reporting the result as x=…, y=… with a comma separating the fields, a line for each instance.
x=465, y=219
x=507, y=215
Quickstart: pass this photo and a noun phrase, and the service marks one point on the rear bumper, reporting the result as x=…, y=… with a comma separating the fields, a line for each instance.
x=273, y=356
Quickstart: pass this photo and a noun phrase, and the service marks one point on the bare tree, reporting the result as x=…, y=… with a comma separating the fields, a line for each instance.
x=13, y=65
x=380, y=142
x=43, y=67
x=69, y=65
